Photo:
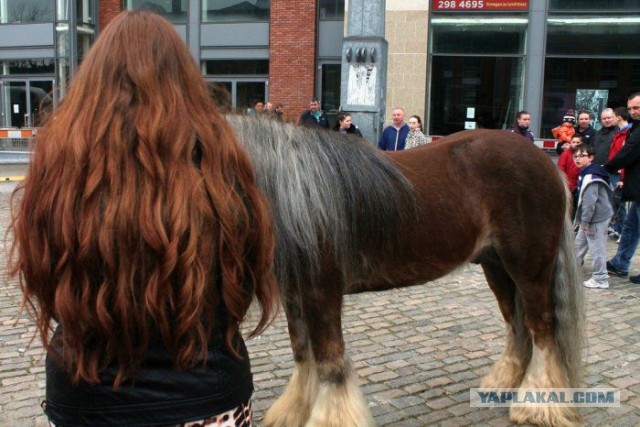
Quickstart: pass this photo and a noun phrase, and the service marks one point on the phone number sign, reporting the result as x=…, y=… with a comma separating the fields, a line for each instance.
x=458, y=5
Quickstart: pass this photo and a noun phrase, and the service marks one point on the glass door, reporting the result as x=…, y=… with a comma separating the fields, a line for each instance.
x=23, y=103
x=329, y=89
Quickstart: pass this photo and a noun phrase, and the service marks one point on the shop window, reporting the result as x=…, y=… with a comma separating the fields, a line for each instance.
x=331, y=9
x=237, y=67
x=19, y=11
x=28, y=66
x=84, y=11
x=173, y=10
x=488, y=88
x=564, y=77
x=478, y=35
x=591, y=35
x=235, y=10
x=579, y=5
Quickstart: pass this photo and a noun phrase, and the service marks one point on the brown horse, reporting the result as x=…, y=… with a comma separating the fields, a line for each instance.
x=351, y=219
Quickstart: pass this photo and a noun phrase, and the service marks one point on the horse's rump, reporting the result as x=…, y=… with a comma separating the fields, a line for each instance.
x=475, y=190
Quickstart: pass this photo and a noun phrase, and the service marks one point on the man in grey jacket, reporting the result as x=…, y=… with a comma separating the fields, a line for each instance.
x=593, y=213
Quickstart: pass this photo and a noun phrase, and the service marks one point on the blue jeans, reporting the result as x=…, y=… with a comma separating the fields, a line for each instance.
x=620, y=212
x=628, y=239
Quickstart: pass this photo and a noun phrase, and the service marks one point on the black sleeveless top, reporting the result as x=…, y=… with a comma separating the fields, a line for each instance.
x=158, y=394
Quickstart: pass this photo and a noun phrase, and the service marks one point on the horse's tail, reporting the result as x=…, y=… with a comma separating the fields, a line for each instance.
x=568, y=302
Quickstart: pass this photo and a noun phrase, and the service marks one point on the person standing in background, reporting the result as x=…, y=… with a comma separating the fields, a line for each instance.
x=523, y=120
x=415, y=137
x=394, y=136
x=628, y=158
x=601, y=141
x=584, y=127
x=314, y=116
x=345, y=126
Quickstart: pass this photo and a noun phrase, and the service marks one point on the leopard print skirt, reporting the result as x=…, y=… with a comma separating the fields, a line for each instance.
x=240, y=416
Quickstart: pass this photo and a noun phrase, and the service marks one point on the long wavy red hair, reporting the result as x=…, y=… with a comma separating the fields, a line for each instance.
x=140, y=211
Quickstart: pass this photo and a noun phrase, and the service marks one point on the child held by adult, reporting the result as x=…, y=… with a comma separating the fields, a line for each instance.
x=141, y=233
x=565, y=132
x=593, y=213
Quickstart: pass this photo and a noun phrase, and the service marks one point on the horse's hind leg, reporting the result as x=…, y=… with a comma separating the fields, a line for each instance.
x=339, y=401
x=552, y=314
x=508, y=371
x=293, y=408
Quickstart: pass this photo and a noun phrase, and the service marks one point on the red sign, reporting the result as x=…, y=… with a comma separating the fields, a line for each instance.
x=462, y=5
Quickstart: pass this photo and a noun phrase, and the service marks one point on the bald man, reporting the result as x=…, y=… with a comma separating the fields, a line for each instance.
x=601, y=141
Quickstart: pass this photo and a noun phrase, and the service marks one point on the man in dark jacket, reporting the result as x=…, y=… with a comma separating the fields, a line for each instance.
x=584, y=127
x=601, y=142
x=314, y=116
x=629, y=159
x=394, y=136
x=523, y=119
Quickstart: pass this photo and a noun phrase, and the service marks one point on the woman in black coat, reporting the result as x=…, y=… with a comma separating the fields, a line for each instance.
x=344, y=125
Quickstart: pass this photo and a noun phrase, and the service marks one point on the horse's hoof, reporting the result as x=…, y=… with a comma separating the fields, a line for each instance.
x=504, y=374
x=555, y=416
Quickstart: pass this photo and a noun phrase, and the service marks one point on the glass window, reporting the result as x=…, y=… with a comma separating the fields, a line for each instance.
x=578, y=5
x=221, y=92
x=236, y=67
x=235, y=10
x=331, y=9
x=84, y=11
x=330, y=95
x=249, y=92
x=85, y=40
x=591, y=35
x=490, y=85
x=460, y=34
x=173, y=10
x=28, y=66
x=565, y=76
x=16, y=11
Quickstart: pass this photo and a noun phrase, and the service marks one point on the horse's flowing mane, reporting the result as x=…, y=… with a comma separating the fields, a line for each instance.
x=140, y=211
x=329, y=193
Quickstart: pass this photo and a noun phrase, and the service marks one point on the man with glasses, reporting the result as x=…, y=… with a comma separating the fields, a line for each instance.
x=629, y=159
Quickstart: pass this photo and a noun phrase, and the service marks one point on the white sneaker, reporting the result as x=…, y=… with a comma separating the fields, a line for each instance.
x=593, y=284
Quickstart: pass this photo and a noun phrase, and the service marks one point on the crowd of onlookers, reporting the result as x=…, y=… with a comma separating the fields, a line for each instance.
x=602, y=170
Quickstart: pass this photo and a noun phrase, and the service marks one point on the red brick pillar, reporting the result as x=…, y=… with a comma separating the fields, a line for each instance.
x=292, y=54
x=107, y=10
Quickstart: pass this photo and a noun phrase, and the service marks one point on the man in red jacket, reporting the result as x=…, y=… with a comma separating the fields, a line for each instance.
x=622, y=126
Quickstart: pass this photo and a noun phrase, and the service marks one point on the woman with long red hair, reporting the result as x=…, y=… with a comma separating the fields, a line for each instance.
x=141, y=239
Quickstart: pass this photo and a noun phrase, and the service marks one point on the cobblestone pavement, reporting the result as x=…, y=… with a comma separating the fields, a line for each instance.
x=417, y=351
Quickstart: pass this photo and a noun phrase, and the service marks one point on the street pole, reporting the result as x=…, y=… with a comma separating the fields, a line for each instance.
x=364, y=67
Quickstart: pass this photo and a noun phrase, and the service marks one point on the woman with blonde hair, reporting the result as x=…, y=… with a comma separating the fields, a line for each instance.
x=140, y=240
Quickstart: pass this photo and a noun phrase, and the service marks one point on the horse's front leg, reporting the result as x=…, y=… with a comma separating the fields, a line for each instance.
x=293, y=408
x=339, y=401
